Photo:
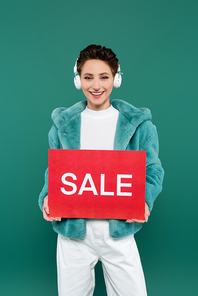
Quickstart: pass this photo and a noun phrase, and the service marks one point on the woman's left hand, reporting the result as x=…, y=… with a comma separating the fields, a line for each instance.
x=146, y=216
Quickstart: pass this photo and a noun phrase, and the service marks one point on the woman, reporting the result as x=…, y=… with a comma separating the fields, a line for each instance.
x=99, y=123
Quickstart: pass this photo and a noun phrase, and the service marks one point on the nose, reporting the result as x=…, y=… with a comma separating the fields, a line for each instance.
x=96, y=84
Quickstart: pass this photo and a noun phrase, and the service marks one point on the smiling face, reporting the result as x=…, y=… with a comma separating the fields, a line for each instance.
x=97, y=84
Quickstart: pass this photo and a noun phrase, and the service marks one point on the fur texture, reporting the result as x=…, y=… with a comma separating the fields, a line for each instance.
x=134, y=131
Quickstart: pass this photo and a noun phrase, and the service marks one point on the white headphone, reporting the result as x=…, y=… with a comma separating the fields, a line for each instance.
x=117, y=79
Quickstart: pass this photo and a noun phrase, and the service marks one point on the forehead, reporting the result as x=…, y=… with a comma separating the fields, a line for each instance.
x=95, y=67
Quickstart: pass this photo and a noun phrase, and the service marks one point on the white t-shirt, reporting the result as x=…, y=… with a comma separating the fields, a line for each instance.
x=98, y=129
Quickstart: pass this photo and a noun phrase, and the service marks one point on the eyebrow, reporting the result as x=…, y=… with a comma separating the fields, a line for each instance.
x=105, y=73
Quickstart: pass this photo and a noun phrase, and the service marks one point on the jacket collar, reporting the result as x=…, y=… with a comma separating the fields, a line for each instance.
x=68, y=122
x=129, y=119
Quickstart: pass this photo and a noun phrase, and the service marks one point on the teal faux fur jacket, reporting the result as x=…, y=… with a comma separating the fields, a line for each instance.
x=134, y=131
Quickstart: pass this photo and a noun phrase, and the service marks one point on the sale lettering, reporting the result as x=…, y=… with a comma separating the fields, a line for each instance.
x=88, y=178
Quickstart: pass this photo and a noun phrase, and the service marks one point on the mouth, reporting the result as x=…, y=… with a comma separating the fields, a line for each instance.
x=96, y=94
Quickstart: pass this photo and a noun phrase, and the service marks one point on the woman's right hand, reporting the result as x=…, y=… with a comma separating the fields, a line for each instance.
x=46, y=211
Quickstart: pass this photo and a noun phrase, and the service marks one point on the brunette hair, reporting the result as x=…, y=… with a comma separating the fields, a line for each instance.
x=98, y=52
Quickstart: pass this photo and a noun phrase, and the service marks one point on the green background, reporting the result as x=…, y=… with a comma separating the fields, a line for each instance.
x=157, y=45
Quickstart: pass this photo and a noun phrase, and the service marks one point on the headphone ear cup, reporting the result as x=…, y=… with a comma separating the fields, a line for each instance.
x=77, y=82
x=117, y=80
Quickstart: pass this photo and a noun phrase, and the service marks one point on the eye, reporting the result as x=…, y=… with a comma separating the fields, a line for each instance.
x=104, y=77
x=87, y=77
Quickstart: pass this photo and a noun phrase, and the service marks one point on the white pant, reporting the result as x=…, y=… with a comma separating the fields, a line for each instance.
x=121, y=264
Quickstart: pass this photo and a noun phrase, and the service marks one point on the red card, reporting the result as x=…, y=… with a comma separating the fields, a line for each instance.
x=105, y=184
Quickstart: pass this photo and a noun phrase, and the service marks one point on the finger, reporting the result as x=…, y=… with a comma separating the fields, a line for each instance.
x=147, y=212
x=146, y=216
x=139, y=221
x=57, y=219
x=50, y=219
x=53, y=219
x=45, y=216
x=46, y=213
x=134, y=220
x=46, y=209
